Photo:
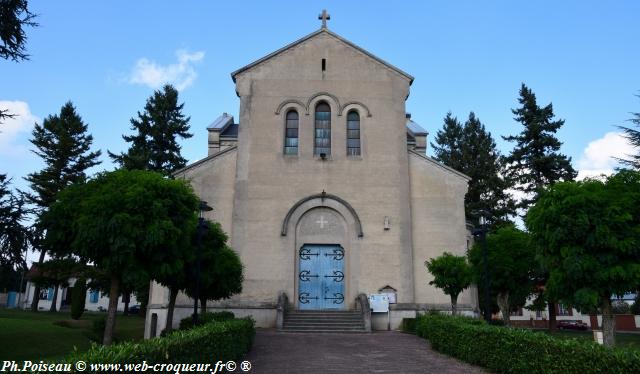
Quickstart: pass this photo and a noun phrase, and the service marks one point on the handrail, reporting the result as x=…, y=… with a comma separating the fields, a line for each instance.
x=362, y=304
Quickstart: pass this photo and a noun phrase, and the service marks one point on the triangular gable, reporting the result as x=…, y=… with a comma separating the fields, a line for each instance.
x=313, y=34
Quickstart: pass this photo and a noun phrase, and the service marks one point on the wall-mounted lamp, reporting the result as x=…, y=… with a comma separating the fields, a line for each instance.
x=323, y=156
x=387, y=225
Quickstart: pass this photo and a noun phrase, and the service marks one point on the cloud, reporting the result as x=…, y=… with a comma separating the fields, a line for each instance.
x=12, y=130
x=181, y=74
x=599, y=157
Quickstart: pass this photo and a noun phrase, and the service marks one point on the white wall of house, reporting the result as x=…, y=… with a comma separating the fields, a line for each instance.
x=95, y=300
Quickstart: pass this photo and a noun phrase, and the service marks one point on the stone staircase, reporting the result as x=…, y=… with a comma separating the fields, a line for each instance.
x=323, y=321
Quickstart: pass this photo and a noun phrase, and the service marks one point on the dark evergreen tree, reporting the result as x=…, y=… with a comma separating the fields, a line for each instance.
x=14, y=236
x=633, y=136
x=154, y=146
x=471, y=150
x=448, y=146
x=535, y=162
x=63, y=143
x=14, y=16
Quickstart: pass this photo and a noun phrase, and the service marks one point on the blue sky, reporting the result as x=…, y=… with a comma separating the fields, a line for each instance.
x=107, y=57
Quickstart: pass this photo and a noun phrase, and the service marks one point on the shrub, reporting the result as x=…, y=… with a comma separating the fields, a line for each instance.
x=620, y=307
x=187, y=323
x=507, y=350
x=78, y=298
x=635, y=307
x=227, y=340
x=97, y=329
x=409, y=325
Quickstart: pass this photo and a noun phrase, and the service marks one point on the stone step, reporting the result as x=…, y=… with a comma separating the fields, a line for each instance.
x=324, y=331
x=323, y=323
x=309, y=318
x=301, y=313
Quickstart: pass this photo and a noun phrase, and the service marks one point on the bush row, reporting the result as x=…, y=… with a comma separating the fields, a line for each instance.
x=204, y=318
x=226, y=340
x=507, y=350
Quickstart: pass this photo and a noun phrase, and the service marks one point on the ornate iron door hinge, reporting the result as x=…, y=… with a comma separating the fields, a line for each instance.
x=304, y=298
x=337, y=254
x=337, y=276
x=306, y=276
x=305, y=254
x=337, y=299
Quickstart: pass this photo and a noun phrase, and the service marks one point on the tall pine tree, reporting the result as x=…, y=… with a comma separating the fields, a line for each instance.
x=633, y=136
x=472, y=150
x=154, y=146
x=63, y=143
x=535, y=162
x=14, y=235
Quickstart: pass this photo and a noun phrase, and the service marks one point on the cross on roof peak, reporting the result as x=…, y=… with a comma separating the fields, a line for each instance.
x=324, y=16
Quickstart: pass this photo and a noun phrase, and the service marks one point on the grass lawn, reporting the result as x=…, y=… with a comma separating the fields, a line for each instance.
x=25, y=335
x=628, y=340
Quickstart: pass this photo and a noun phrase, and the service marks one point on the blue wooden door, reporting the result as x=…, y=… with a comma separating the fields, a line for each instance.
x=321, y=277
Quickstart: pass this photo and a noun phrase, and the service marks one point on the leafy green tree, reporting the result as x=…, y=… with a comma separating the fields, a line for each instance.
x=15, y=16
x=78, y=297
x=472, y=150
x=14, y=235
x=122, y=221
x=588, y=237
x=633, y=136
x=511, y=259
x=221, y=272
x=154, y=146
x=450, y=273
x=63, y=143
x=535, y=161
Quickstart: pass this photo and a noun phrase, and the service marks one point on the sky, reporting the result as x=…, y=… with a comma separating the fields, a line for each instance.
x=107, y=57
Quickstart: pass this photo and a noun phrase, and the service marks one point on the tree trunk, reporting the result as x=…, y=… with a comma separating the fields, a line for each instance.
x=126, y=298
x=608, y=323
x=173, y=294
x=203, y=306
x=454, y=305
x=110, y=326
x=503, y=304
x=552, y=315
x=36, y=290
x=54, y=301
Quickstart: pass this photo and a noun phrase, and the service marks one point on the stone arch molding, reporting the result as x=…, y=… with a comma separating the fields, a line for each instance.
x=322, y=200
x=344, y=106
x=287, y=102
x=307, y=107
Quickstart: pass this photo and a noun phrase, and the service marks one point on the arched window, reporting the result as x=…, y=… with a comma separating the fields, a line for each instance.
x=291, y=133
x=353, y=133
x=322, y=139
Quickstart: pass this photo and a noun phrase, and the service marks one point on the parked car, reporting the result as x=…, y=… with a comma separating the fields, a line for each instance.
x=134, y=309
x=572, y=325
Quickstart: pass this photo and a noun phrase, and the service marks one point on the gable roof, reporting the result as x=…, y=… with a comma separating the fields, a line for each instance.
x=313, y=34
x=202, y=161
x=440, y=165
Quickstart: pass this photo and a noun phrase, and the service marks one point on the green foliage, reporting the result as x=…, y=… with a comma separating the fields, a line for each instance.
x=14, y=235
x=588, y=236
x=506, y=350
x=227, y=340
x=620, y=307
x=154, y=146
x=15, y=16
x=535, y=161
x=511, y=260
x=633, y=136
x=635, y=307
x=409, y=325
x=221, y=272
x=204, y=318
x=450, y=273
x=78, y=298
x=472, y=150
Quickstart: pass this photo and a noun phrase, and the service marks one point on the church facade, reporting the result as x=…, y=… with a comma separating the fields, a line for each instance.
x=324, y=187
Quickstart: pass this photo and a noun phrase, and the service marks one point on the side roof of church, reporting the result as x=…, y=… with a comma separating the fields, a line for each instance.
x=312, y=35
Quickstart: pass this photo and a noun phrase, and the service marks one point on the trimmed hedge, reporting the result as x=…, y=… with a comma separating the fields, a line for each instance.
x=228, y=340
x=204, y=318
x=508, y=350
x=409, y=325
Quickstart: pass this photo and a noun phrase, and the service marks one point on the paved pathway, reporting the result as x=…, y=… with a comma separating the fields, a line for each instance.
x=380, y=352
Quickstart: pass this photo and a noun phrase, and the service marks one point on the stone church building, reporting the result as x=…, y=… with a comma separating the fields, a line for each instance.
x=325, y=189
